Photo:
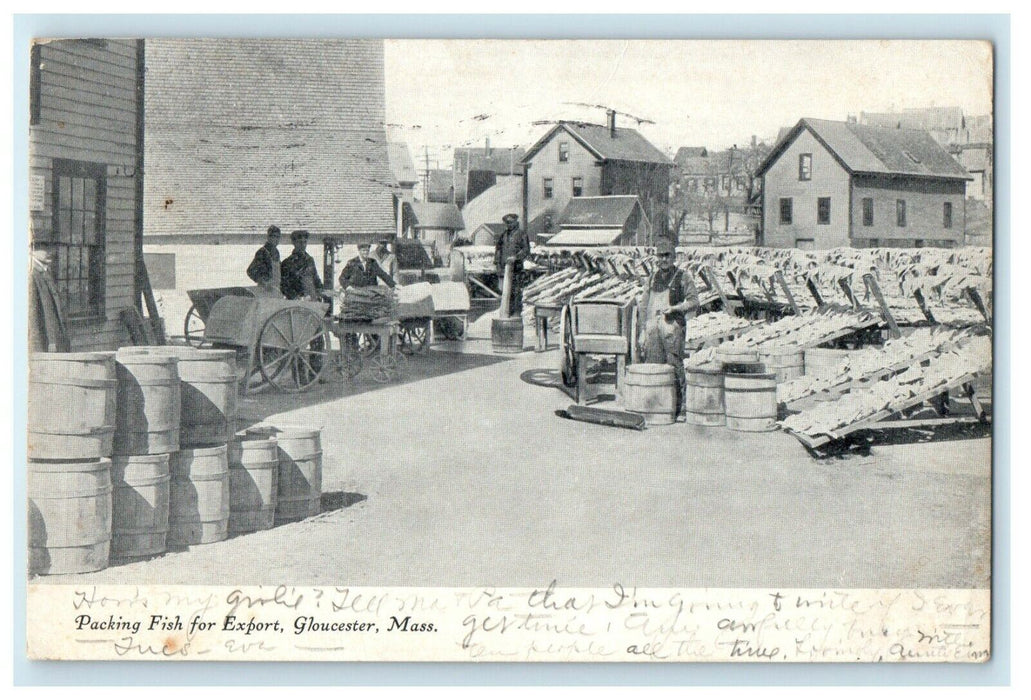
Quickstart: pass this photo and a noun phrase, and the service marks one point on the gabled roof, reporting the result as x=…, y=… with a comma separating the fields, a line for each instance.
x=685, y=152
x=436, y=215
x=598, y=212
x=628, y=144
x=401, y=163
x=503, y=161
x=861, y=148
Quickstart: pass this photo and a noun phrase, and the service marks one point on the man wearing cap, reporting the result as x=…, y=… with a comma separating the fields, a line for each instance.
x=363, y=271
x=264, y=268
x=300, y=277
x=512, y=245
x=669, y=297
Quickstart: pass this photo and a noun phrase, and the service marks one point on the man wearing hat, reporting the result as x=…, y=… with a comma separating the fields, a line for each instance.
x=512, y=245
x=363, y=271
x=264, y=268
x=669, y=297
x=299, y=276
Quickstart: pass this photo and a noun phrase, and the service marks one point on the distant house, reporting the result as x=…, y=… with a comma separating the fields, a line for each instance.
x=478, y=169
x=828, y=184
x=575, y=159
x=433, y=223
x=617, y=220
x=487, y=234
x=86, y=182
x=243, y=133
x=403, y=169
x=439, y=187
x=719, y=172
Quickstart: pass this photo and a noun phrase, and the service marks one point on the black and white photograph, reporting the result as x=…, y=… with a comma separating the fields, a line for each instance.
x=510, y=350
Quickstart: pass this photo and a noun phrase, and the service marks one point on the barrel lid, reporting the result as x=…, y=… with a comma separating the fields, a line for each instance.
x=749, y=375
x=204, y=451
x=708, y=368
x=144, y=356
x=141, y=459
x=184, y=353
x=649, y=368
x=99, y=356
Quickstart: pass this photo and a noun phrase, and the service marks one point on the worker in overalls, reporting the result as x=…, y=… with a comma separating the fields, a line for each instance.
x=512, y=246
x=669, y=298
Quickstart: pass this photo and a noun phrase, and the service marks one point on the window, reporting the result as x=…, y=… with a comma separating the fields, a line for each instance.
x=805, y=166
x=918, y=243
x=947, y=215
x=900, y=212
x=823, y=210
x=76, y=245
x=578, y=186
x=805, y=243
x=549, y=188
x=874, y=242
x=563, y=152
x=867, y=211
x=35, y=83
x=785, y=210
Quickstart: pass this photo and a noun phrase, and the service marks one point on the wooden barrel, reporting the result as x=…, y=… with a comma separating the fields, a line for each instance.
x=824, y=362
x=69, y=516
x=149, y=400
x=71, y=405
x=299, y=494
x=139, y=521
x=253, y=484
x=751, y=401
x=506, y=334
x=736, y=356
x=650, y=389
x=704, y=396
x=207, y=381
x=198, y=506
x=784, y=362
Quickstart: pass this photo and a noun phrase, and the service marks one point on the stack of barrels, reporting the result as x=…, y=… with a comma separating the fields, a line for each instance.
x=134, y=453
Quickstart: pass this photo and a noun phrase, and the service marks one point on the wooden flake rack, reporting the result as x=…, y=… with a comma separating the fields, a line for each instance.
x=882, y=419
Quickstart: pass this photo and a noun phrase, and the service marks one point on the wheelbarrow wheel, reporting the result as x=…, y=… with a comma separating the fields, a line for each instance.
x=293, y=349
x=193, y=327
x=388, y=367
x=568, y=354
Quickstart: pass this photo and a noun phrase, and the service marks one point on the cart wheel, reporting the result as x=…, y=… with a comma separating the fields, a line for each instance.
x=349, y=361
x=568, y=354
x=384, y=368
x=414, y=338
x=193, y=327
x=368, y=344
x=293, y=349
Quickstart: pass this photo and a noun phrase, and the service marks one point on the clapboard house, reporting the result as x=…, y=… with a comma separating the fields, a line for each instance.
x=85, y=180
x=243, y=133
x=830, y=184
x=577, y=159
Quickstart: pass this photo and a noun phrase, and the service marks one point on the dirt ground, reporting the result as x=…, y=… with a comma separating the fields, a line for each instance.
x=462, y=475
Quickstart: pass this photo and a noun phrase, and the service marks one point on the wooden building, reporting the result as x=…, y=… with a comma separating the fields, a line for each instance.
x=244, y=133
x=830, y=184
x=85, y=179
x=478, y=169
x=575, y=159
x=617, y=220
x=435, y=224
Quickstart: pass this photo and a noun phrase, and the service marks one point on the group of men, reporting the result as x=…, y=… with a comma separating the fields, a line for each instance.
x=297, y=277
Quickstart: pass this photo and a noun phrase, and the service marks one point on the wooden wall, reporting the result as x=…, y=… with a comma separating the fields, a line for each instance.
x=924, y=210
x=87, y=112
x=545, y=164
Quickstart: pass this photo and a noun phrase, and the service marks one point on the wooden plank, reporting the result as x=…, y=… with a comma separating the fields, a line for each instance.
x=88, y=93
x=875, y=290
x=79, y=149
x=778, y=278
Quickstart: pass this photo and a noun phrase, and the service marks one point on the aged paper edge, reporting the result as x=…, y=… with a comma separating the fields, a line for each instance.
x=545, y=624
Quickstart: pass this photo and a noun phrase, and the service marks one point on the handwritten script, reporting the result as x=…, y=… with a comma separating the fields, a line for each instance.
x=546, y=623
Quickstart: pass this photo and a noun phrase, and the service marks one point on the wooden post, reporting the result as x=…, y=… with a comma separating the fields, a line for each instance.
x=975, y=296
x=922, y=303
x=871, y=284
x=810, y=284
x=849, y=294
x=506, y=292
x=778, y=277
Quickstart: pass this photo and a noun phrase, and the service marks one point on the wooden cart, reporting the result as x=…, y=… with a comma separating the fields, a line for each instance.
x=596, y=327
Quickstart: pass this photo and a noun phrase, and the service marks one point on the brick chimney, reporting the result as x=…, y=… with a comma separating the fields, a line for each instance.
x=610, y=117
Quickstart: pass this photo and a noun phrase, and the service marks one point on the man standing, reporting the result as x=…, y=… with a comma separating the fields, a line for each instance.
x=363, y=271
x=512, y=245
x=264, y=268
x=670, y=295
x=300, y=277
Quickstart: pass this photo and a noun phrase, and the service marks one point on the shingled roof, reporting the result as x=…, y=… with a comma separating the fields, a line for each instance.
x=861, y=148
x=243, y=133
x=598, y=212
x=401, y=164
x=627, y=145
x=503, y=161
x=436, y=215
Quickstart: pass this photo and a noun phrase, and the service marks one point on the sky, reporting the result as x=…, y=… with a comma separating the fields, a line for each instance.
x=441, y=94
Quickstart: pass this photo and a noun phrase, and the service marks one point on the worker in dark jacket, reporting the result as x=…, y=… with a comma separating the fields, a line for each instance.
x=264, y=268
x=668, y=299
x=300, y=277
x=363, y=271
x=512, y=245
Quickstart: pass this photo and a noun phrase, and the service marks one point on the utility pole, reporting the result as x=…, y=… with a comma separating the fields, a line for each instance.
x=426, y=174
x=730, y=189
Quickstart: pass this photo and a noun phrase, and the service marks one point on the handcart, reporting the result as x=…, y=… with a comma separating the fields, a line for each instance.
x=596, y=327
x=201, y=301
